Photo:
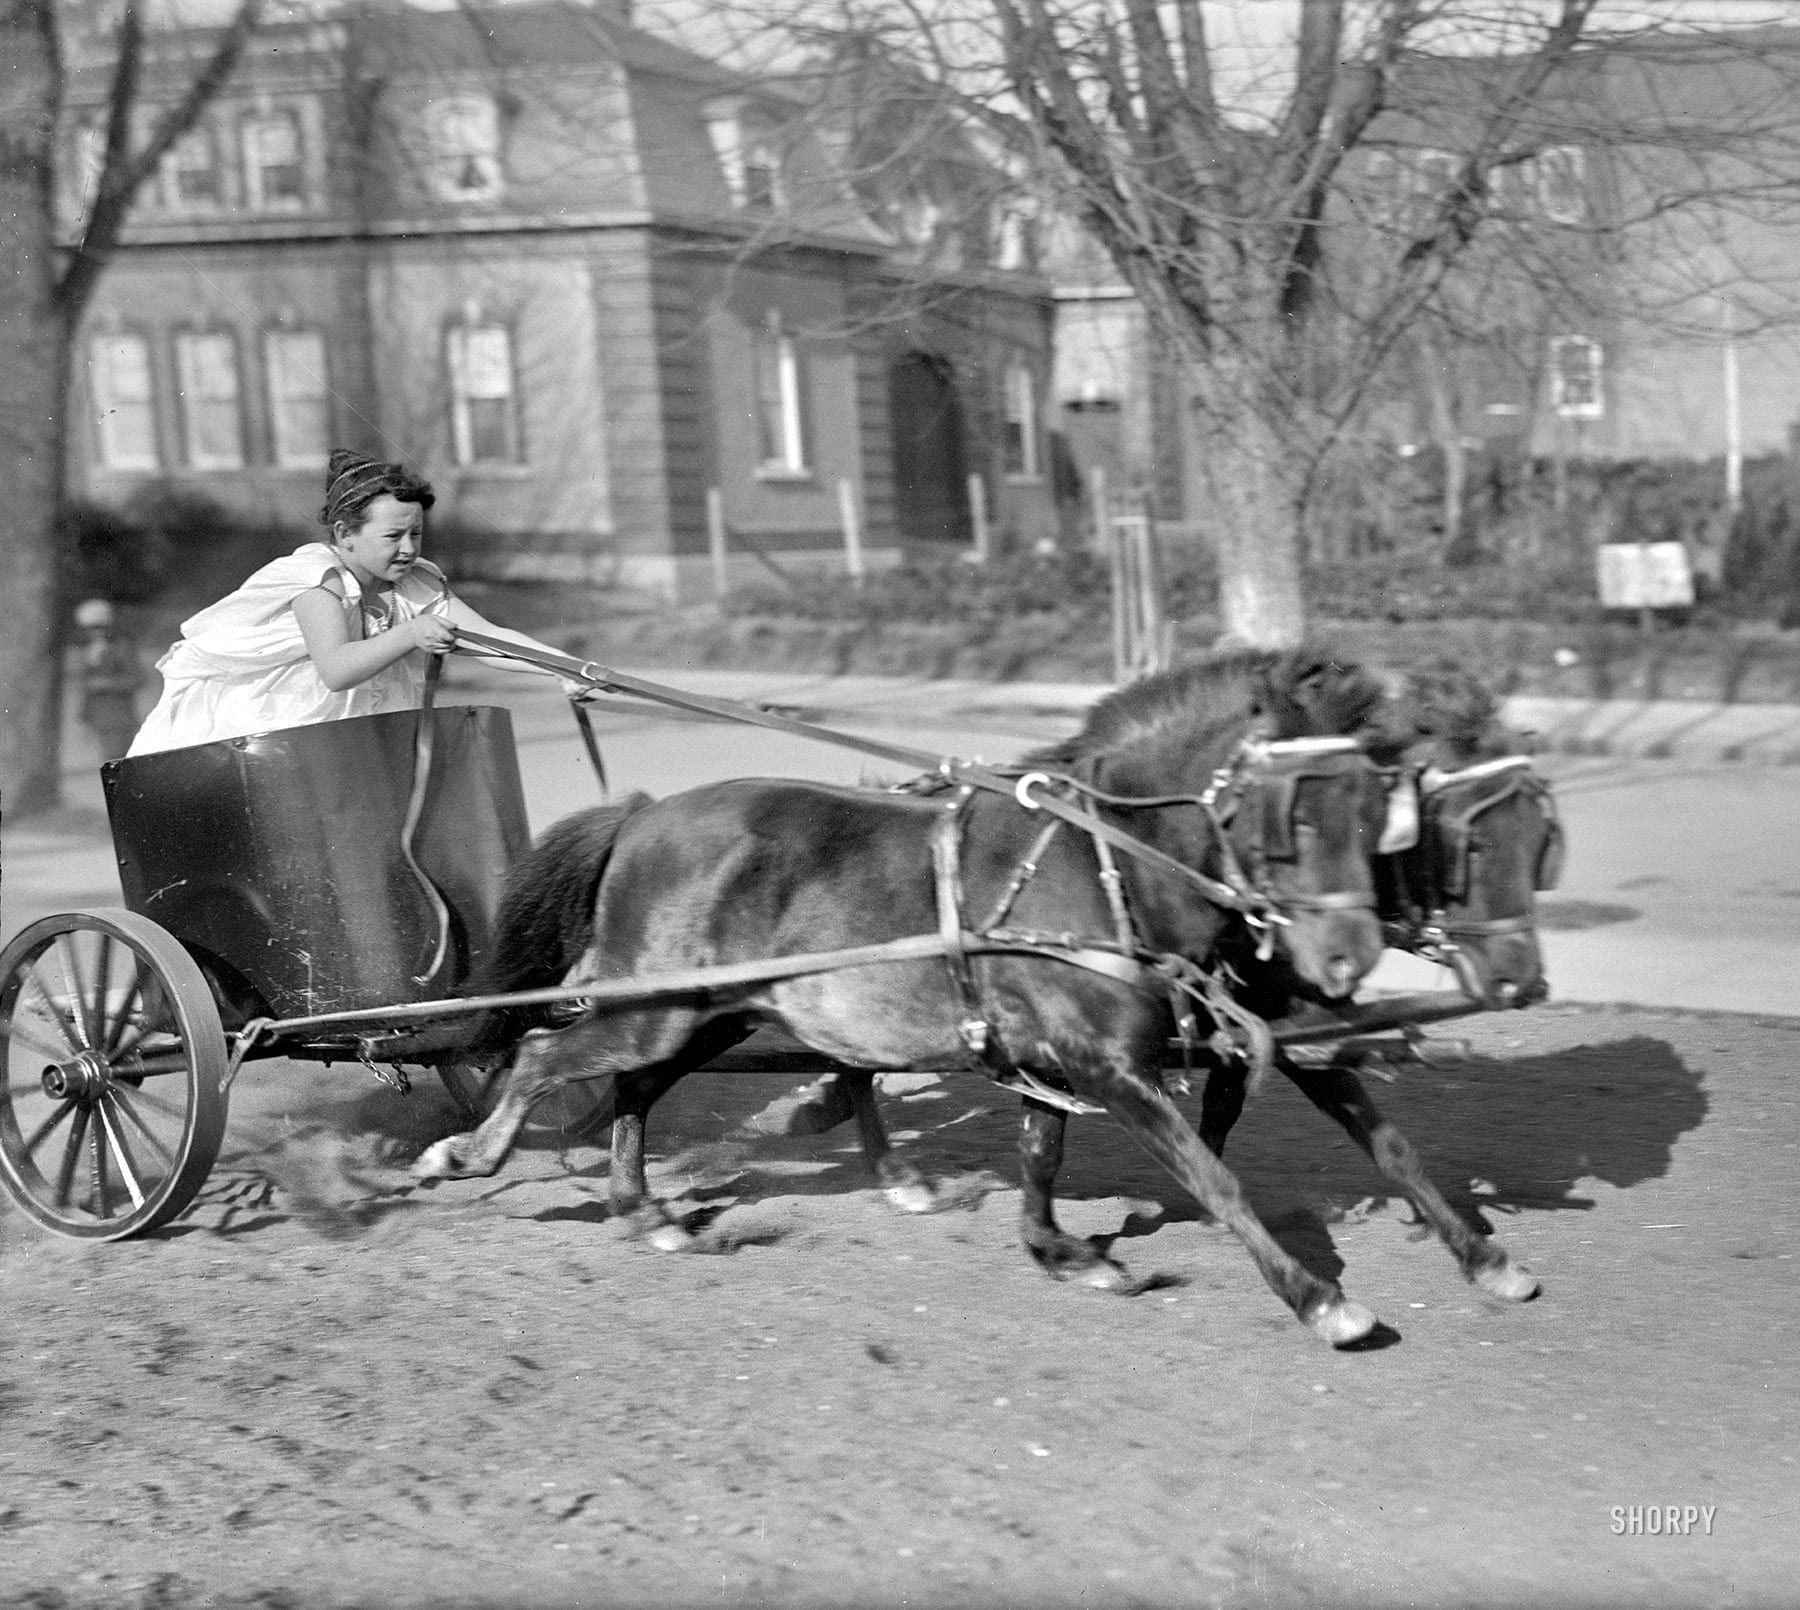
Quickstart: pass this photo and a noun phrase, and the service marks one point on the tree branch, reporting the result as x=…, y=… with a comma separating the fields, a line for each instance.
x=124, y=173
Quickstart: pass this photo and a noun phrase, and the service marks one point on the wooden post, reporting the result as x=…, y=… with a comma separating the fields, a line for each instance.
x=847, y=513
x=1154, y=655
x=1118, y=565
x=978, y=518
x=715, y=541
x=1102, y=509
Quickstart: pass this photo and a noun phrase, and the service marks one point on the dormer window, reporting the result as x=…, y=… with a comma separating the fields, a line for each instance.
x=762, y=175
x=193, y=172
x=749, y=157
x=1015, y=238
x=465, y=148
x=274, y=164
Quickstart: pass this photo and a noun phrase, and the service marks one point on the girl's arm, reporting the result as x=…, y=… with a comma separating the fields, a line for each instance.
x=344, y=661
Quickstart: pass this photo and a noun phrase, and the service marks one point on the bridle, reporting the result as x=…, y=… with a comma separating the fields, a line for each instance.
x=1258, y=783
x=1434, y=877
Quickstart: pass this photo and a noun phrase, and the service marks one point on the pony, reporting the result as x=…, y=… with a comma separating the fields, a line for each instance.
x=1487, y=839
x=1169, y=818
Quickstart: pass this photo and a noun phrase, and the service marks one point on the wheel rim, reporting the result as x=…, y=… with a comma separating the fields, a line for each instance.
x=112, y=1065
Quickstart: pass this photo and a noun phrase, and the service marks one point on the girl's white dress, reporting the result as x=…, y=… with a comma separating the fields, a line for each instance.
x=241, y=665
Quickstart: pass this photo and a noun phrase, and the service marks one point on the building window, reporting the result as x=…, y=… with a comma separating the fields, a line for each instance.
x=1406, y=187
x=89, y=166
x=483, y=418
x=1575, y=376
x=193, y=177
x=749, y=160
x=1020, y=446
x=780, y=404
x=465, y=148
x=212, y=425
x=299, y=405
x=274, y=164
x=1562, y=184
x=762, y=175
x=1015, y=243
x=124, y=401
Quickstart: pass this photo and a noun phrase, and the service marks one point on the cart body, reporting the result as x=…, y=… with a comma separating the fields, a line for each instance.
x=277, y=859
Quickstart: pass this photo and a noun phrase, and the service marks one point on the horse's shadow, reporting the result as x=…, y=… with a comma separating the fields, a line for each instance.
x=1498, y=1135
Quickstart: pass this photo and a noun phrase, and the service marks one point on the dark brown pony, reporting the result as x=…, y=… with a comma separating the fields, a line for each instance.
x=764, y=868
x=1463, y=894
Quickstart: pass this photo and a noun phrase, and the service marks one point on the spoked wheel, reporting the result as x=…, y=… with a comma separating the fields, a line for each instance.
x=112, y=1101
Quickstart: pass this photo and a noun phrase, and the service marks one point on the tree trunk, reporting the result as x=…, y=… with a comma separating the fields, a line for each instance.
x=1247, y=495
x=33, y=401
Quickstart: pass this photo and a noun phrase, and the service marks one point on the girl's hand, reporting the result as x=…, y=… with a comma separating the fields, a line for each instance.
x=432, y=633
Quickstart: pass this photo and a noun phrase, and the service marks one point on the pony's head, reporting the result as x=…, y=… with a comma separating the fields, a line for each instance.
x=1488, y=837
x=1302, y=817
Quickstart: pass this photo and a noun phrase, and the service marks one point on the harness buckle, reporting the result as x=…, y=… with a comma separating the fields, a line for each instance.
x=1022, y=789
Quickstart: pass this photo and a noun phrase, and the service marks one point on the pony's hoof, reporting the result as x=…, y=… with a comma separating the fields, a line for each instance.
x=914, y=1196
x=1344, y=1323
x=667, y=1237
x=1506, y=1279
x=442, y=1161
x=1105, y=1276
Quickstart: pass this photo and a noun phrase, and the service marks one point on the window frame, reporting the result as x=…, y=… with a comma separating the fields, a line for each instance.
x=792, y=428
x=1020, y=412
x=186, y=341
x=105, y=404
x=463, y=440
x=1560, y=374
x=282, y=453
x=256, y=195
x=1564, y=167
x=172, y=169
x=443, y=159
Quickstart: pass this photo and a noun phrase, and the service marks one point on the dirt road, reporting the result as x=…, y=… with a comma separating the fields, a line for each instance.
x=329, y=1386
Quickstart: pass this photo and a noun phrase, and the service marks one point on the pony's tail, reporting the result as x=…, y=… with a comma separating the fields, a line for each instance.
x=546, y=918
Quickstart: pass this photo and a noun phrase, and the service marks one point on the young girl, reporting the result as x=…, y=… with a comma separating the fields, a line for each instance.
x=334, y=629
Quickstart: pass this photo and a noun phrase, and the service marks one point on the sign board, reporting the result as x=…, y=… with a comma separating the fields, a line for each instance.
x=1645, y=575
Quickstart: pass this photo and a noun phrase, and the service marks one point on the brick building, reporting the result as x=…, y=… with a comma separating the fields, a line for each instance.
x=590, y=282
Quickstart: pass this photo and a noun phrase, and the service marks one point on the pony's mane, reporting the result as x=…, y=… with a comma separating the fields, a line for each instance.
x=1225, y=688
x=1448, y=704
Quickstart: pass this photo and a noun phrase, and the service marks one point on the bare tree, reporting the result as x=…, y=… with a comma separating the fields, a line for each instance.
x=1239, y=193
x=43, y=290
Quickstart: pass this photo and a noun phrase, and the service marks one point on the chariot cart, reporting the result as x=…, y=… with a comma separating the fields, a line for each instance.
x=321, y=893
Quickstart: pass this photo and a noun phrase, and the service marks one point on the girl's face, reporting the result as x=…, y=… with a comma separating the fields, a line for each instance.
x=381, y=550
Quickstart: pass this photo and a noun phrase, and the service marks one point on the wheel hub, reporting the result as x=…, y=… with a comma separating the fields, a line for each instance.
x=82, y=1078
